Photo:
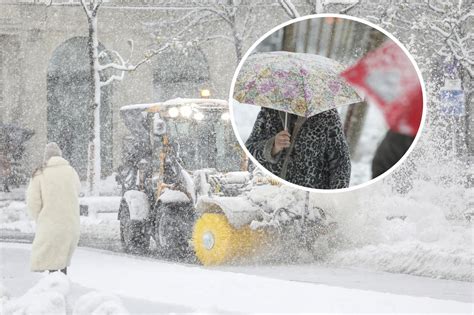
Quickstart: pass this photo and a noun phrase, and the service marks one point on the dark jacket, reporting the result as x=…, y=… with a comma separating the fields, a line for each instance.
x=318, y=156
x=390, y=151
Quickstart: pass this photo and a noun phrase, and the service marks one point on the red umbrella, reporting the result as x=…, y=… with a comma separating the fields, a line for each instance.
x=387, y=76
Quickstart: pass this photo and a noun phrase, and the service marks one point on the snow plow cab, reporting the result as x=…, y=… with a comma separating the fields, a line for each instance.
x=185, y=185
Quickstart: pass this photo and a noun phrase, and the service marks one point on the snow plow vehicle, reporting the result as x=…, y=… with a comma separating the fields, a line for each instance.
x=186, y=186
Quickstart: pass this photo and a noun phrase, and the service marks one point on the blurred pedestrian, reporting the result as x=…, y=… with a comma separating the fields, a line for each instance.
x=5, y=171
x=52, y=200
x=390, y=151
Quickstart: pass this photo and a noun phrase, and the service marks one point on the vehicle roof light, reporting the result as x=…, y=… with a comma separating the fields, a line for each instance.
x=186, y=111
x=225, y=116
x=199, y=116
x=173, y=112
x=205, y=93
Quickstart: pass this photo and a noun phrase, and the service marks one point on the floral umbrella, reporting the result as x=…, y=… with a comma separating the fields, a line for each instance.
x=297, y=83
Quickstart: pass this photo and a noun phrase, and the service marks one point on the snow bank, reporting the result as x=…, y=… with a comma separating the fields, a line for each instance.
x=50, y=296
x=109, y=186
x=47, y=297
x=4, y=295
x=96, y=303
x=100, y=223
x=14, y=216
x=171, y=196
x=405, y=234
x=102, y=204
x=279, y=204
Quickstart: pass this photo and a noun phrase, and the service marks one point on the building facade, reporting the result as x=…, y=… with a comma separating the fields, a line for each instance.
x=45, y=72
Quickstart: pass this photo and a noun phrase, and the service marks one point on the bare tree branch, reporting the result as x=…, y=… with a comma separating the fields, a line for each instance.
x=86, y=10
x=434, y=8
x=96, y=7
x=289, y=8
x=347, y=9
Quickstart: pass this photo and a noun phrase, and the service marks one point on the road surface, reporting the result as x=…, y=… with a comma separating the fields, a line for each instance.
x=169, y=287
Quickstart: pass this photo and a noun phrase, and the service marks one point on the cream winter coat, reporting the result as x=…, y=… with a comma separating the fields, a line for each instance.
x=52, y=199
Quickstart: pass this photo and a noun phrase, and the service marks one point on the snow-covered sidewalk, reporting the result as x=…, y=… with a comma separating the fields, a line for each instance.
x=17, y=279
x=170, y=287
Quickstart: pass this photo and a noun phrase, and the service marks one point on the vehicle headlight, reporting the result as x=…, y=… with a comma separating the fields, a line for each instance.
x=199, y=116
x=173, y=112
x=186, y=111
x=225, y=116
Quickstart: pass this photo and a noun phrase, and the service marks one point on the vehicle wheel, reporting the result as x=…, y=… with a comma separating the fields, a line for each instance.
x=173, y=230
x=216, y=242
x=133, y=233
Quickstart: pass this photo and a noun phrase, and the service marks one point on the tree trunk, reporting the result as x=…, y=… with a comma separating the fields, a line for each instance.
x=289, y=42
x=94, y=162
x=237, y=43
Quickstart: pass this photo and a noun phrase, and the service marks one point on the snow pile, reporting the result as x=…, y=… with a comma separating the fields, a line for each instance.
x=48, y=296
x=405, y=234
x=96, y=303
x=102, y=204
x=4, y=296
x=171, y=196
x=281, y=204
x=51, y=296
x=189, y=184
x=14, y=216
x=109, y=186
x=138, y=205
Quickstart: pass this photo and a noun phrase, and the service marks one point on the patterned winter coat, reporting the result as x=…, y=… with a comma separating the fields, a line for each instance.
x=318, y=156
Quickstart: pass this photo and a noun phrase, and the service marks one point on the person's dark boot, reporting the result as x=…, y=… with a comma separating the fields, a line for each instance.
x=61, y=270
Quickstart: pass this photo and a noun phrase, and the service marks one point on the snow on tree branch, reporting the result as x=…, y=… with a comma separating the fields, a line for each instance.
x=445, y=25
x=189, y=28
x=86, y=9
x=289, y=8
x=316, y=6
x=125, y=65
x=348, y=8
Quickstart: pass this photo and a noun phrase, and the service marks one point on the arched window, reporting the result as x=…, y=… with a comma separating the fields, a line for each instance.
x=69, y=115
x=180, y=73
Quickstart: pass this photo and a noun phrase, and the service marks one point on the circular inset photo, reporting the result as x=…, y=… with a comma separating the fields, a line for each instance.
x=327, y=102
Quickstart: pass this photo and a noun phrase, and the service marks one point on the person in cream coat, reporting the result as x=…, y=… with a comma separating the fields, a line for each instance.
x=53, y=202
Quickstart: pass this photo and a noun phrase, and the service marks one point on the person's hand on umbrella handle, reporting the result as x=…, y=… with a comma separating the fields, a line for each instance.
x=282, y=141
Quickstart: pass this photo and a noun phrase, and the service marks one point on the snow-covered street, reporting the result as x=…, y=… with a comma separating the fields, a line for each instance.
x=17, y=279
x=155, y=286
x=153, y=156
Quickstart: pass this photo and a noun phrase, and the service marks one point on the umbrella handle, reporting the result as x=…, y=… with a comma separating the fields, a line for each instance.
x=286, y=121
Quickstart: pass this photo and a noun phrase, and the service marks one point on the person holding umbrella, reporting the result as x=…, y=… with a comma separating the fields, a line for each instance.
x=312, y=152
x=298, y=134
